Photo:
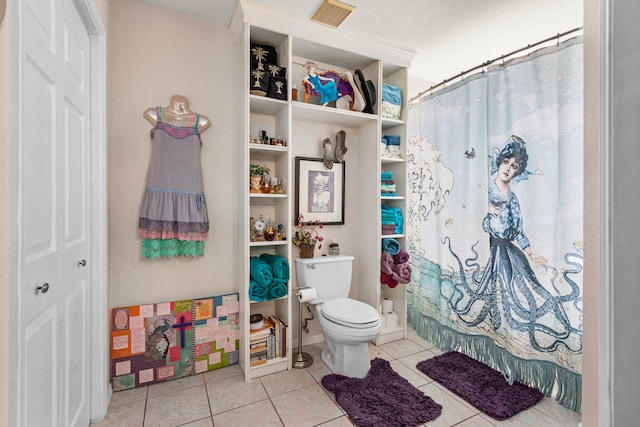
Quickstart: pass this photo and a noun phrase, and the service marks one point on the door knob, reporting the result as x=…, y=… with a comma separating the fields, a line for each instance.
x=82, y=263
x=43, y=289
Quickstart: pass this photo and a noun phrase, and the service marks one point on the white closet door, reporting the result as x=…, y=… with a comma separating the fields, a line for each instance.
x=53, y=216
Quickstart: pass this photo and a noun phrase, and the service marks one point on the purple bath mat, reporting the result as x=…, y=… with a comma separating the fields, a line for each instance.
x=382, y=399
x=481, y=386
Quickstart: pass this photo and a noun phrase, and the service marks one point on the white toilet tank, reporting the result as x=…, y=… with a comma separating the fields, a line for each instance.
x=330, y=276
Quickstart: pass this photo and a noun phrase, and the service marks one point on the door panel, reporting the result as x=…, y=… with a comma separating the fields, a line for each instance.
x=41, y=377
x=54, y=214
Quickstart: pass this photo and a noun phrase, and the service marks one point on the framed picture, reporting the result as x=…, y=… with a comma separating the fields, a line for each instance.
x=319, y=191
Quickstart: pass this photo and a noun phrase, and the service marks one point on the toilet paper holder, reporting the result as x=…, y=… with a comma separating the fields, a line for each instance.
x=302, y=360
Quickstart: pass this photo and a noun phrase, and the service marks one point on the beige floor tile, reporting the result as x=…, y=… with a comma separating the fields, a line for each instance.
x=453, y=410
x=296, y=399
x=128, y=396
x=375, y=351
x=318, y=369
x=306, y=407
x=475, y=421
x=413, y=336
x=312, y=349
x=286, y=381
x=172, y=386
x=412, y=360
x=401, y=348
x=261, y=414
x=233, y=393
x=222, y=373
x=204, y=422
x=338, y=422
x=563, y=415
x=528, y=418
x=178, y=407
x=126, y=415
x=410, y=375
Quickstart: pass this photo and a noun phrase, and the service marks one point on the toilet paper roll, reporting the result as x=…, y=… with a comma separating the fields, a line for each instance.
x=391, y=320
x=387, y=305
x=307, y=294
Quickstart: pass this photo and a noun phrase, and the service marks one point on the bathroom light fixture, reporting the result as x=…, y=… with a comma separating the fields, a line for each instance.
x=332, y=12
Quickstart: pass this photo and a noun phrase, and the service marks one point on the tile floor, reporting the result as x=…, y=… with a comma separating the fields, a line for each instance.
x=296, y=399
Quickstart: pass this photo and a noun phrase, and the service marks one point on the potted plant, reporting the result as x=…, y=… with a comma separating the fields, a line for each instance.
x=306, y=237
x=255, y=173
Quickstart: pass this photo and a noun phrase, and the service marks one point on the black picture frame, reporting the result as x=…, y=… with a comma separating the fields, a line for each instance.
x=311, y=202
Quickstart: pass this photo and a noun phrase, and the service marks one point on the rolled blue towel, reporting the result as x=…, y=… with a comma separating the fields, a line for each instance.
x=257, y=292
x=279, y=267
x=260, y=271
x=391, y=94
x=392, y=139
x=390, y=246
x=277, y=290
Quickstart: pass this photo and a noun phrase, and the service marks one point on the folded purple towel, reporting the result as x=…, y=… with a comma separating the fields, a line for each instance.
x=401, y=273
x=401, y=257
x=386, y=263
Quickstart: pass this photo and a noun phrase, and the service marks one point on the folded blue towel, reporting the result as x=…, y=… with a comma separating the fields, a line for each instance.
x=390, y=246
x=386, y=175
x=391, y=94
x=257, y=292
x=277, y=290
x=279, y=267
x=260, y=271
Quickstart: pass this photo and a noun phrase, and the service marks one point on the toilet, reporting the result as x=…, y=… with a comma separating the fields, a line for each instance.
x=347, y=325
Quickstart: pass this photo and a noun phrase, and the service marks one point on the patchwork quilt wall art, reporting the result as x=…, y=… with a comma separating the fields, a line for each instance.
x=158, y=342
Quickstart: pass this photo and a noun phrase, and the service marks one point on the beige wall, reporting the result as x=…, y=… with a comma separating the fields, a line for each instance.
x=154, y=54
x=4, y=221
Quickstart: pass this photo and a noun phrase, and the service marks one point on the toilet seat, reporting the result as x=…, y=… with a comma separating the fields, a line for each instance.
x=350, y=313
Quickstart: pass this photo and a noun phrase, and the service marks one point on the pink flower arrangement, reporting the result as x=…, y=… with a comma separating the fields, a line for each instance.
x=306, y=234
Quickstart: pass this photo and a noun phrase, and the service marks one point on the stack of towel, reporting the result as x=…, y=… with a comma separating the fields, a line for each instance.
x=390, y=147
x=269, y=277
x=391, y=101
x=392, y=221
x=387, y=186
x=394, y=264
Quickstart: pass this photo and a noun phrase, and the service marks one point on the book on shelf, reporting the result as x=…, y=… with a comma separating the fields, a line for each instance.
x=263, y=332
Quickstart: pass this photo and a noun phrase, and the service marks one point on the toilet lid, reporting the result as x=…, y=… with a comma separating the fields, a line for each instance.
x=350, y=312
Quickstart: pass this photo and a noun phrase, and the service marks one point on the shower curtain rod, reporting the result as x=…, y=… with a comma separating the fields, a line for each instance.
x=491, y=61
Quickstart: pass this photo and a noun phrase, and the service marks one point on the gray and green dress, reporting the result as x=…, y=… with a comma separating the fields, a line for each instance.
x=173, y=217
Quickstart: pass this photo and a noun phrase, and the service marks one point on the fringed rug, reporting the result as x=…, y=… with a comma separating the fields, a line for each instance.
x=382, y=399
x=481, y=386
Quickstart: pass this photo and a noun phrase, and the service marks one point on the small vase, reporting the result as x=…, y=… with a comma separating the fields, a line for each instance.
x=306, y=251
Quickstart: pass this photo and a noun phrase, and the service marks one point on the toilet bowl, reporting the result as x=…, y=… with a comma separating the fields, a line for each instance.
x=347, y=325
x=346, y=350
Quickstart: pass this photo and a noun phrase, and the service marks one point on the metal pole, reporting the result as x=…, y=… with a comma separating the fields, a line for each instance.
x=302, y=360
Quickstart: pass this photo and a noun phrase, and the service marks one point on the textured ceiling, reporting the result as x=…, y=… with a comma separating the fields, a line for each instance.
x=448, y=36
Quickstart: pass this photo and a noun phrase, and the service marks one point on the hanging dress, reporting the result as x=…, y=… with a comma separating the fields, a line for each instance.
x=173, y=217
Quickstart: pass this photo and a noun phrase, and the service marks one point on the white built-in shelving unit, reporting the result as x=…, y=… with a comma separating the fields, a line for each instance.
x=298, y=40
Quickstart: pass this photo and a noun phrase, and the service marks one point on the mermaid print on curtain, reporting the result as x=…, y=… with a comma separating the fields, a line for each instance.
x=495, y=213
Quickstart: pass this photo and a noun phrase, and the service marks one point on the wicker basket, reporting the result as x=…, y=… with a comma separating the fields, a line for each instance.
x=306, y=251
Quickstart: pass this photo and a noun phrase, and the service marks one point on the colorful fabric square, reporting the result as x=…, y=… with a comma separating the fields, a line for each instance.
x=159, y=342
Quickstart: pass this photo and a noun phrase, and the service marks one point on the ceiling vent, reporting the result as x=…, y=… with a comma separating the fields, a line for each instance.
x=333, y=12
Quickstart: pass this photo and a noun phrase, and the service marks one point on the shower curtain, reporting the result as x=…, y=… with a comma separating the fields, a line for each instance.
x=495, y=215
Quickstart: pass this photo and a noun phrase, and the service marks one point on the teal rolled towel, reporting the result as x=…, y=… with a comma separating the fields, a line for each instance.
x=260, y=271
x=257, y=292
x=279, y=267
x=390, y=246
x=277, y=290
